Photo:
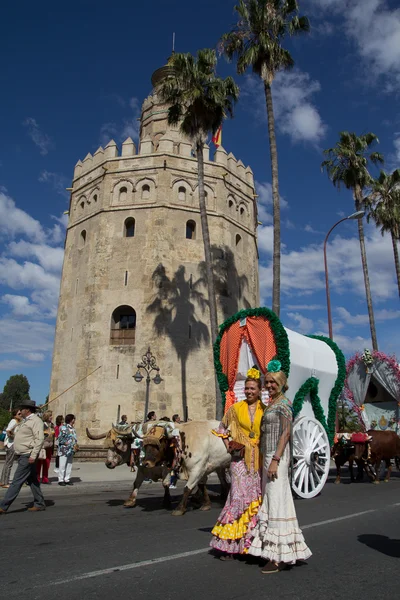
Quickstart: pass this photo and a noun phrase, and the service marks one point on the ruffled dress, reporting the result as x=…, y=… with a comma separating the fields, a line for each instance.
x=233, y=530
x=277, y=535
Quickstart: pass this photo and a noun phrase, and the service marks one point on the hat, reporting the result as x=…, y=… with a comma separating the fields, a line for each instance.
x=28, y=404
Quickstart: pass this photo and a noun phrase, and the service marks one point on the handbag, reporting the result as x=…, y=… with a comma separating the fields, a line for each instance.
x=42, y=454
x=236, y=449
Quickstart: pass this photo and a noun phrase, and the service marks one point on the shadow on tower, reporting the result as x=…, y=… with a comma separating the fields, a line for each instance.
x=174, y=307
x=229, y=285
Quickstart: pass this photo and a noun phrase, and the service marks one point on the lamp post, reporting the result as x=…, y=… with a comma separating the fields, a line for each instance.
x=357, y=215
x=149, y=365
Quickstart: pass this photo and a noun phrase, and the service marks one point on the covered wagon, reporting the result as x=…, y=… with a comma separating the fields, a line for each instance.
x=315, y=367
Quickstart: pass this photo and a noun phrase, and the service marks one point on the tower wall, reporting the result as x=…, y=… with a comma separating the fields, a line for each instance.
x=157, y=272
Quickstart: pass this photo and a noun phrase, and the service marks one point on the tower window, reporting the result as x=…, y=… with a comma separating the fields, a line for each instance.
x=82, y=205
x=145, y=191
x=182, y=194
x=238, y=242
x=129, y=227
x=241, y=212
x=82, y=238
x=95, y=197
x=123, y=326
x=123, y=193
x=190, y=230
x=230, y=204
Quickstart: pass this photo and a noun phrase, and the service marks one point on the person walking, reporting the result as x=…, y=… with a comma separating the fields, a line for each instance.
x=43, y=464
x=28, y=441
x=277, y=536
x=59, y=422
x=67, y=446
x=9, y=446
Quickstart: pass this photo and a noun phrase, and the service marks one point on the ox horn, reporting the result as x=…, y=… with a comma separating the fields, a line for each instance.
x=91, y=436
x=121, y=431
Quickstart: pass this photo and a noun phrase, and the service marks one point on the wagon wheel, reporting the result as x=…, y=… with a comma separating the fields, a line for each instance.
x=311, y=457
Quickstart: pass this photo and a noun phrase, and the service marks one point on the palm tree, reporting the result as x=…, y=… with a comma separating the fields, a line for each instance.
x=384, y=208
x=198, y=102
x=256, y=42
x=347, y=165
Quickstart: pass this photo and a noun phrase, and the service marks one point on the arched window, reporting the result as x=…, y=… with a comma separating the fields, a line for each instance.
x=241, y=212
x=182, y=193
x=82, y=205
x=123, y=193
x=146, y=191
x=82, y=238
x=95, y=197
x=129, y=227
x=230, y=204
x=123, y=326
x=190, y=230
x=238, y=242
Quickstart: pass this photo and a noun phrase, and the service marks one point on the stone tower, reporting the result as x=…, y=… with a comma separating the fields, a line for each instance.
x=132, y=276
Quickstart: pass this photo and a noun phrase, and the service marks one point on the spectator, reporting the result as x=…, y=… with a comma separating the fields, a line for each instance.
x=151, y=416
x=59, y=422
x=176, y=419
x=67, y=446
x=43, y=464
x=9, y=446
x=28, y=441
x=124, y=420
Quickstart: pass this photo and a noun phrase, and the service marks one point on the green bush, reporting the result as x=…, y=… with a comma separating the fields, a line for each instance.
x=4, y=418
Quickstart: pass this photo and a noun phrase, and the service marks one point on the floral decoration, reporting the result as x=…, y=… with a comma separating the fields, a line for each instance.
x=367, y=358
x=253, y=373
x=274, y=366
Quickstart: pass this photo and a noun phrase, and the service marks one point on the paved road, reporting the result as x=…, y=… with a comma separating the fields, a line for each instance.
x=86, y=545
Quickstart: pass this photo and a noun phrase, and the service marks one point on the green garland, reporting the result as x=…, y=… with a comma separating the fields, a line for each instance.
x=310, y=387
x=280, y=337
x=337, y=388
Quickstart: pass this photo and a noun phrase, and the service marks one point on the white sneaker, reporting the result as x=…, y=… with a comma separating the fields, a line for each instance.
x=172, y=487
x=55, y=471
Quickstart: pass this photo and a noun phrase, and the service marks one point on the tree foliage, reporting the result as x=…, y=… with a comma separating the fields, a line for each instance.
x=15, y=391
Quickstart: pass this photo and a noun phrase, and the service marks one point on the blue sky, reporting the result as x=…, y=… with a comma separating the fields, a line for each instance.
x=73, y=76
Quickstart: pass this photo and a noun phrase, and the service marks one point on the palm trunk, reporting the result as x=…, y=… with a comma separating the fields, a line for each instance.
x=276, y=260
x=396, y=259
x=208, y=262
x=358, y=205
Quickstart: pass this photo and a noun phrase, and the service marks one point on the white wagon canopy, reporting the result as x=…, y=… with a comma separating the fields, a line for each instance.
x=315, y=367
x=372, y=388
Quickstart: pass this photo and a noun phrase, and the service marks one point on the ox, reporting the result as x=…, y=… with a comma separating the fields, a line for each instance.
x=381, y=445
x=343, y=451
x=202, y=453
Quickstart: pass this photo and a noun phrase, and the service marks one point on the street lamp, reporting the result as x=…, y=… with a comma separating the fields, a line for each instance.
x=149, y=365
x=357, y=215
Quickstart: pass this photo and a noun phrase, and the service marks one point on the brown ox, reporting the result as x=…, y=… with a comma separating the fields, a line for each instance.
x=383, y=446
x=343, y=451
x=202, y=453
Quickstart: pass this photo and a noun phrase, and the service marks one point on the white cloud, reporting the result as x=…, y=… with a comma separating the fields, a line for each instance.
x=129, y=127
x=294, y=111
x=34, y=356
x=302, y=271
x=23, y=337
x=265, y=238
x=374, y=27
x=264, y=202
x=303, y=324
x=20, y=305
x=310, y=229
x=38, y=137
x=14, y=221
x=28, y=275
x=304, y=307
x=380, y=316
x=49, y=258
x=57, y=181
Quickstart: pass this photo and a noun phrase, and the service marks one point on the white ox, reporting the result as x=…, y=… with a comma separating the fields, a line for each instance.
x=202, y=454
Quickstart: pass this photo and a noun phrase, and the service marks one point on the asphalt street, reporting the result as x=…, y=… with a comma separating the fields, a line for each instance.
x=87, y=545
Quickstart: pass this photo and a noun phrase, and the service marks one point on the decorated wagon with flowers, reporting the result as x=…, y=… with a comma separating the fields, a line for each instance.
x=315, y=367
x=372, y=388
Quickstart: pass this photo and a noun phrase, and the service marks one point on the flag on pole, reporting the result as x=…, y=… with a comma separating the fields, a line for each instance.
x=217, y=138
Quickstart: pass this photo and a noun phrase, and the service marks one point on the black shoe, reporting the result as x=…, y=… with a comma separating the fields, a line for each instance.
x=68, y=483
x=62, y=483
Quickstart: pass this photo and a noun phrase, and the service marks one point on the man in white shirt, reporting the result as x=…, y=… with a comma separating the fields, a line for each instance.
x=28, y=441
x=9, y=446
